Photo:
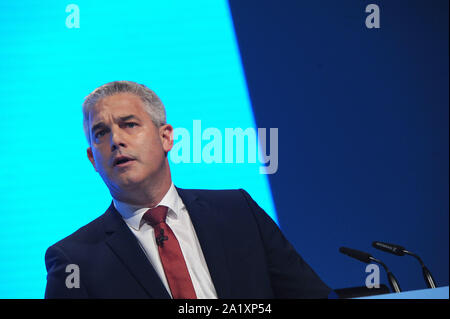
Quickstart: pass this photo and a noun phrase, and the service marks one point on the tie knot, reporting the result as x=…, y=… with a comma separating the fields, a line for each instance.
x=155, y=216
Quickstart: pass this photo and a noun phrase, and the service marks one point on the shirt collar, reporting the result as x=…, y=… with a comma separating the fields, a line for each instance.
x=132, y=214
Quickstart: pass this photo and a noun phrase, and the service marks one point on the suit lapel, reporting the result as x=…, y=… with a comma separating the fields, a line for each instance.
x=126, y=247
x=206, y=222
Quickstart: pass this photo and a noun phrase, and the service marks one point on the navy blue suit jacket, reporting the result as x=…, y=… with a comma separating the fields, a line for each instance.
x=246, y=253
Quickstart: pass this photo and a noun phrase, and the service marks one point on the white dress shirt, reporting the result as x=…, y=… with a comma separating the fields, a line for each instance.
x=179, y=221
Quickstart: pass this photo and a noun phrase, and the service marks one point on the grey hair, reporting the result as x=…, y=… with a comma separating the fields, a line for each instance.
x=152, y=103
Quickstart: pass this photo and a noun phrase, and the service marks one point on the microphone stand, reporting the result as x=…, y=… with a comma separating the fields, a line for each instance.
x=426, y=273
x=391, y=278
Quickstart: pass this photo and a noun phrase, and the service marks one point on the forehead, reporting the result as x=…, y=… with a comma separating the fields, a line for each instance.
x=117, y=105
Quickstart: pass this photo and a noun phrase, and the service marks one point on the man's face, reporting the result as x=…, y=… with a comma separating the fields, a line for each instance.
x=127, y=149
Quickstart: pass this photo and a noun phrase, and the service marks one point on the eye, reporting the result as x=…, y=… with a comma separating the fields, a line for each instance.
x=100, y=133
x=131, y=124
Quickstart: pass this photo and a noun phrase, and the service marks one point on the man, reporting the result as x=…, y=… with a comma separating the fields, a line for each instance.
x=159, y=241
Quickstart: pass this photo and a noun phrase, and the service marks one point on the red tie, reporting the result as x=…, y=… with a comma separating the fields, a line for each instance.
x=172, y=259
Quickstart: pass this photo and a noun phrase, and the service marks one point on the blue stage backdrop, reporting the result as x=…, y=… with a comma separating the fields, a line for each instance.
x=52, y=55
x=360, y=146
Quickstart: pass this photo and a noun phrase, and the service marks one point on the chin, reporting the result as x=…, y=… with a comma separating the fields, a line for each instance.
x=123, y=182
x=129, y=183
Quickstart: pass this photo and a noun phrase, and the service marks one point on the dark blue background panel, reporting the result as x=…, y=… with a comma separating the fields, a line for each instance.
x=363, y=128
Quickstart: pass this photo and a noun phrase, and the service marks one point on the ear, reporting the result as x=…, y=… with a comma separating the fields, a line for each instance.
x=166, y=135
x=91, y=157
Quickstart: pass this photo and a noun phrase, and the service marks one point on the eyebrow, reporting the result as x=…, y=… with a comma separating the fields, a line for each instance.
x=128, y=117
x=122, y=119
x=97, y=126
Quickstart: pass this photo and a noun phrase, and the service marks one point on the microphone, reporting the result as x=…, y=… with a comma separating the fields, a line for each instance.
x=161, y=238
x=401, y=251
x=367, y=258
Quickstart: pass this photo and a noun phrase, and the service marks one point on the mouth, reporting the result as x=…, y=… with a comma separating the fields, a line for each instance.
x=121, y=161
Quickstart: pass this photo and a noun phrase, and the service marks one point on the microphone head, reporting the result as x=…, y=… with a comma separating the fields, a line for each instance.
x=360, y=255
x=389, y=248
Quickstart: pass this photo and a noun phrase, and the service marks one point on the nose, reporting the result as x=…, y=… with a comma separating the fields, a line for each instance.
x=117, y=140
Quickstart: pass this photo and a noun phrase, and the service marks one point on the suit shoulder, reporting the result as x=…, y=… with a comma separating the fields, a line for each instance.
x=88, y=233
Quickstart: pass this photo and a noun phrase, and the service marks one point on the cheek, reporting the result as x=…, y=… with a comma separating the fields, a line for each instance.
x=100, y=160
x=152, y=153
